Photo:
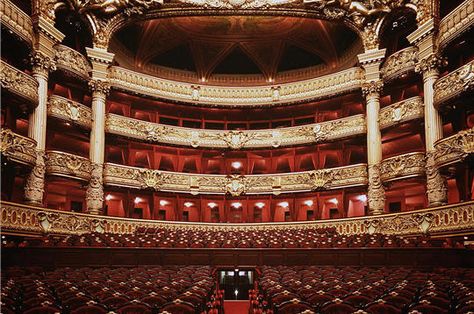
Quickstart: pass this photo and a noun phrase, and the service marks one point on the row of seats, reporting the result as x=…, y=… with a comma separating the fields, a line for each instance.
x=171, y=289
x=333, y=290
x=236, y=239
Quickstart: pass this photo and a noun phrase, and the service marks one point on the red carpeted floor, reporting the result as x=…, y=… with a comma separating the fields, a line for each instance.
x=236, y=307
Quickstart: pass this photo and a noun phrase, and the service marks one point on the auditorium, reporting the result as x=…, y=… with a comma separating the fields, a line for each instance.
x=237, y=156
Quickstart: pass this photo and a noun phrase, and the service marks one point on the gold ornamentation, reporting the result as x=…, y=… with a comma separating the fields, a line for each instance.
x=402, y=166
x=236, y=4
x=34, y=187
x=456, y=23
x=41, y=63
x=109, y=7
x=19, y=83
x=69, y=110
x=430, y=64
x=17, y=148
x=47, y=8
x=236, y=139
x=376, y=192
x=454, y=148
x=372, y=88
x=320, y=179
x=151, y=179
x=400, y=62
x=17, y=21
x=72, y=61
x=435, y=183
x=68, y=165
x=95, y=190
x=99, y=86
x=454, y=84
x=235, y=185
x=405, y=110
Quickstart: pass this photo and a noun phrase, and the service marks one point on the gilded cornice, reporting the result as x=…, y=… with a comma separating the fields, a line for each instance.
x=402, y=61
x=456, y=23
x=454, y=84
x=17, y=21
x=17, y=148
x=68, y=165
x=402, y=166
x=69, y=110
x=454, y=218
x=308, y=134
x=18, y=83
x=324, y=179
x=72, y=61
x=259, y=96
x=454, y=148
x=402, y=111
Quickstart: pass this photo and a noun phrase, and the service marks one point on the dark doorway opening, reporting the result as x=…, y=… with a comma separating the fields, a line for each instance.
x=236, y=283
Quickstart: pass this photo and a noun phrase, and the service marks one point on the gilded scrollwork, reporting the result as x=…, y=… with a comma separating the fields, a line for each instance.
x=405, y=110
x=431, y=64
x=235, y=185
x=110, y=7
x=17, y=148
x=41, y=63
x=34, y=186
x=236, y=139
x=68, y=165
x=400, y=62
x=19, y=83
x=69, y=110
x=436, y=187
x=95, y=190
x=454, y=84
x=72, y=61
x=402, y=166
x=454, y=148
x=372, y=88
x=99, y=86
x=376, y=192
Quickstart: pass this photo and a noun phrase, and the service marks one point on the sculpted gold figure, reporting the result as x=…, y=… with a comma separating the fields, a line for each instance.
x=353, y=7
x=114, y=6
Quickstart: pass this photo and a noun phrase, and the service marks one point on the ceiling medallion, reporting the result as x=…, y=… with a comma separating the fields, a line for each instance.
x=237, y=4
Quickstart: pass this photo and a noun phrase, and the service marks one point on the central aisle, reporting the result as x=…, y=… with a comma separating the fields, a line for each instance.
x=236, y=306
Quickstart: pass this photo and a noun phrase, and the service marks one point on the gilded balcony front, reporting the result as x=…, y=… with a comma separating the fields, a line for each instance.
x=402, y=61
x=68, y=165
x=454, y=148
x=69, y=110
x=454, y=84
x=17, y=21
x=456, y=23
x=402, y=111
x=403, y=166
x=72, y=62
x=18, y=148
x=18, y=83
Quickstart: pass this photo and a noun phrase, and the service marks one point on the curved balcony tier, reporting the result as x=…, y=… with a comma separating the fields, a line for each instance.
x=454, y=84
x=235, y=185
x=403, y=167
x=456, y=23
x=399, y=63
x=455, y=218
x=72, y=62
x=69, y=110
x=18, y=83
x=454, y=148
x=18, y=148
x=68, y=165
x=17, y=21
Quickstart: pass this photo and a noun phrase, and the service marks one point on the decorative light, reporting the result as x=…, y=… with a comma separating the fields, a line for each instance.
x=211, y=204
x=203, y=79
x=236, y=204
x=108, y=197
x=260, y=205
x=67, y=124
x=362, y=198
x=236, y=164
x=236, y=292
x=334, y=201
x=188, y=204
x=283, y=204
x=137, y=200
x=270, y=79
x=308, y=203
x=163, y=203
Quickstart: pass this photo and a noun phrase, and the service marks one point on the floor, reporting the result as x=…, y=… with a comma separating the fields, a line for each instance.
x=236, y=307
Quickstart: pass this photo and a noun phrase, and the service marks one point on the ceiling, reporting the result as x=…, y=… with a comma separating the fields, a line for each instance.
x=234, y=44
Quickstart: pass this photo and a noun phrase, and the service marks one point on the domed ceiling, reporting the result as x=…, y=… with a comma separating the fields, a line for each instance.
x=235, y=45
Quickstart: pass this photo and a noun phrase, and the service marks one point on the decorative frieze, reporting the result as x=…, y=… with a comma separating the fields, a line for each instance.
x=402, y=111
x=69, y=110
x=159, y=133
x=400, y=62
x=68, y=165
x=455, y=218
x=17, y=21
x=17, y=148
x=454, y=148
x=456, y=23
x=325, y=179
x=454, y=84
x=403, y=166
x=72, y=61
x=18, y=83
x=260, y=96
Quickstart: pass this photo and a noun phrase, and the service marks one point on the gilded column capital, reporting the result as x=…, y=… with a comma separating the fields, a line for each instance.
x=372, y=88
x=435, y=183
x=34, y=188
x=99, y=87
x=430, y=65
x=95, y=190
x=41, y=63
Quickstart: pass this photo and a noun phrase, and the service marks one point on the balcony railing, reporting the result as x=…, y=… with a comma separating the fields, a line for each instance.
x=69, y=110
x=400, y=62
x=18, y=148
x=68, y=165
x=72, y=61
x=402, y=111
x=454, y=84
x=311, y=133
x=235, y=185
x=454, y=148
x=18, y=83
x=455, y=218
x=456, y=23
x=317, y=88
x=403, y=167
x=17, y=21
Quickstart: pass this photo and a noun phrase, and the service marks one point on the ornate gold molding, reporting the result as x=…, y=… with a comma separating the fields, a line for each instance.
x=455, y=218
x=69, y=110
x=454, y=84
x=400, y=62
x=68, y=165
x=72, y=61
x=456, y=23
x=402, y=166
x=324, y=179
x=18, y=83
x=17, y=21
x=311, y=133
x=454, y=148
x=405, y=110
x=259, y=96
x=18, y=148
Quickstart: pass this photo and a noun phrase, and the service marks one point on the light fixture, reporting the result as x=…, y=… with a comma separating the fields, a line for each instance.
x=203, y=79
x=362, y=198
x=236, y=292
x=260, y=205
x=236, y=164
x=108, y=197
x=283, y=204
x=270, y=79
x=163, y=203
x=211, y=204
x=334, y=201
x=67, y=124
x=308, y=203
x=188, y=204
x=236, y=204
x=137, y=200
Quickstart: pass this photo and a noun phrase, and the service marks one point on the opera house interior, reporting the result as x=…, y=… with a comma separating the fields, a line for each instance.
x=237, y=156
